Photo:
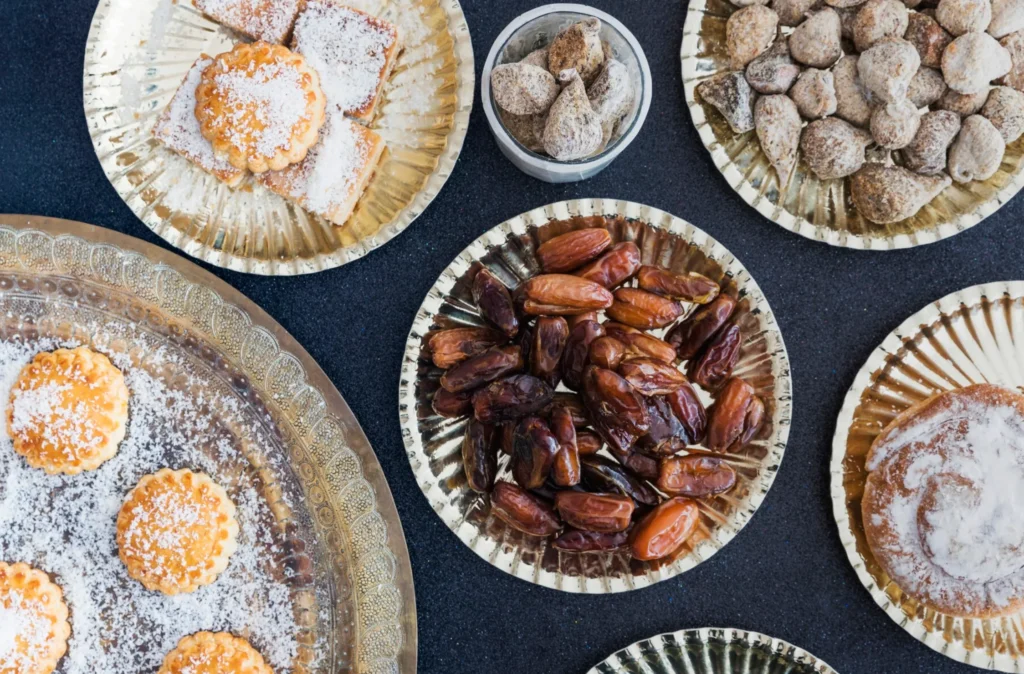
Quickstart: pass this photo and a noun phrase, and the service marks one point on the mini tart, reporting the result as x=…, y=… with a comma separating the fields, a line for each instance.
x=260, y=106
x=34, y=627
x=214, y=653
x=176, y=531
x=68, y=410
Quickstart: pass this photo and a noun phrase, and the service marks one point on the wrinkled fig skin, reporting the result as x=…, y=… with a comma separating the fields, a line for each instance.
x=885, y=194
x=1007, y=17
x=977, y=152
x=928, y=37
x=1014, y=46
x=778, y=126
x=972, y=61
x=611, y=94
x=887, y=68
x=731, y=96
x=573, y=129
x=577, y=47
x=833, y=148
x=748, y=3
x=791, y=12
x=748, y=33
x=816, y=42
x=926, y=154
x=1005, y=109
x=964, y=105
x=893, y=126
x=926, y=87
x=963, y=16
x=851, y=102
x=774, y=71
x=843, y=4
x=847, y=16
x=527, y=129
x=538, y=57
x=877, y=19
x=814, y=94
x=523, y=89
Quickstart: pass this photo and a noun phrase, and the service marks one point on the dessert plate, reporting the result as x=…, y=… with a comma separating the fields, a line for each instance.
x=433, y=443
x=711, y=650
x=819, y=210
x=972, y=336
x=282, y=436
x=137, y=54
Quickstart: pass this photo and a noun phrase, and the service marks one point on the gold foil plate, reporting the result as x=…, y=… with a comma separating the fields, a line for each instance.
x=352, y=590
x=136, y=56
x=433, y=443
x=968, y=337
x=712, y=650
x=816, y=209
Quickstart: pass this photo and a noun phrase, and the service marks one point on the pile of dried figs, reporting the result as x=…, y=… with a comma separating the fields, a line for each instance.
x=901, y=97
x=597, y=418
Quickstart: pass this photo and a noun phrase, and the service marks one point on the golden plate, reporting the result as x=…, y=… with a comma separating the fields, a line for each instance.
x=351, y=589
x=711, y=650
x=433, y=443
x=137, y=54
x=816, y=209
x=968, y=337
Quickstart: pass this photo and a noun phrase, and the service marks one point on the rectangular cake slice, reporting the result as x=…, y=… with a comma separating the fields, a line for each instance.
x=352, y=52
x=178, y=129
x=267, y=20
x=332, y=177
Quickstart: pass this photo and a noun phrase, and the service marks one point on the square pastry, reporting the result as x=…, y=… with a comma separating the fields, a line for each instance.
x=178, y=128
x=352, y=52
x=332, y=177
x=267, y=20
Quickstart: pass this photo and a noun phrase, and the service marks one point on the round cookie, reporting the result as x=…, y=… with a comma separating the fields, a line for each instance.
x=34, y=627
x=214, y=653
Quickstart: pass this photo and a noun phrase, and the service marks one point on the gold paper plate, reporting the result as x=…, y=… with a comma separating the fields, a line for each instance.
x=136, y=56
x=968, y=337
x=352, y=587
x=711, y=650
x=819, y=210
x=433, y=443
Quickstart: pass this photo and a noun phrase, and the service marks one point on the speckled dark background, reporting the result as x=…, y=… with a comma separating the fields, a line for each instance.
x=786, y=574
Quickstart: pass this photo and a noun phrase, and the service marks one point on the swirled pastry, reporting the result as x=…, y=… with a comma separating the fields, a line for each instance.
x=944, y=502
x=214, y=653
x=68, y=410
x=176, y=531
x=34, y=627
x=260, y=106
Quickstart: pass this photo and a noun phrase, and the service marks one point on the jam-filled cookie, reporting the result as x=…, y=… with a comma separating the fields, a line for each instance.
x=34, y=627
x=214, y=653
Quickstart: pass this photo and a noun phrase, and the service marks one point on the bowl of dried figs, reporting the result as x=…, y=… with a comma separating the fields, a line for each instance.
x=863, y=123
x=595, y=396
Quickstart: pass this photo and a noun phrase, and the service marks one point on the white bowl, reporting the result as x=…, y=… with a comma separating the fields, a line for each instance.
x=535, y=29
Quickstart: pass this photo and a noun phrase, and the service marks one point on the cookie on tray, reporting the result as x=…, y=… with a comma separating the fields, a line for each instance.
x=34, y=627
x=214, y=653
x=267, y=20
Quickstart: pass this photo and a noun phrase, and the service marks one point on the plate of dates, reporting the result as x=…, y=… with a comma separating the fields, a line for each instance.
x=595, y=396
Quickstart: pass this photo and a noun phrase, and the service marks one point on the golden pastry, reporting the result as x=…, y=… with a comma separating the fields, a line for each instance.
x=68, y=410
x=176, y=531
x=260, y=106
x=214, y=653
x=267, y=20
x=943, y=506
x=34, y=627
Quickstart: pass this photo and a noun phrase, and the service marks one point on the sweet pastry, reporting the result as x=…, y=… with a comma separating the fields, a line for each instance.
x=260, y=106
x=944, y=506
x=68, y=410
x=267, y=20
x=34, y=627
x=331, y=179
x=178, y=128
x=176, y=531
x=214, y=653
x=352, y=52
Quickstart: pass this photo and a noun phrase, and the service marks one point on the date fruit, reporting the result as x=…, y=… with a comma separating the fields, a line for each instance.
x=571, y=402
x=451, y=405
x=588, y=442
x=715, y=363
x=534, y=447
x=510, y=398
x=696, y=476
x=689, y=337
x=523, y=511
x=562, y=294
x=450, y=347
x=604, y=475
x=640, y=344
x=479, y=456
x=607, y=352
x=574, y=540
x=663, y=530
x=666, y=435
x=613, y=268
x=689, y=410
x=735, y=417
x=641, y=309
x=572, y=249
x=690, y=287
x=495, y=302
x=482, y=368
x=579, y=318
x=566, y=470
x=604, y=513
x=549, y=337
x=651, y=377
x=612, y=402
x=577, y=352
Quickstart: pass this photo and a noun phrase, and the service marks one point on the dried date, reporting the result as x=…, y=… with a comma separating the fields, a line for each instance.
x=479, y=456
x=482, y=368
x=613, y=402
x=689, y=411
x=574, y=540
x=666, y=435
x=579, y=318
x=588, y=442
x=523, y=511
x=604, y=513
x=573, y=249
x=735, y=417
x=715, y=363
x=696, y=476
x=690, y=287
x=573, y=404
x=495, y=302
x=640, y=344
x=450, y=347
x=665, y=529
x=577, y=352
x=566, y=470
x=602, y=474
x=549, y=337
x=643, y=310
x=534, y=447
x=689, y=336
x=510, y=398
x=615, y=267
x=451, y=405
x=607, y=352
x=651, y=377
x=562, y=294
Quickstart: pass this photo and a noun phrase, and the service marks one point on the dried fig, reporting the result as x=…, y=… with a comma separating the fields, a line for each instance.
x=928, y=37
x=926, y=87
x=887, y=68
x=885, y=194
x=577, y=47
x=1005, y=109
x=877, y=19
x=894, y=125
x=926, y=154
x=523, y=89
x=527, y=129
x=963, y=105
x=1007, y=18
x=778, y=126
x=977, y=151
x=573, y=130
x=833, y=148
x=817, y=41
x=772, y=72
x=851, y=100
x=749, y=32
x=731, y=95
x=964, y=16
x=972, y=61
x=611, y=94
x=1014, y=46
x=791, y=13
x=814, y=93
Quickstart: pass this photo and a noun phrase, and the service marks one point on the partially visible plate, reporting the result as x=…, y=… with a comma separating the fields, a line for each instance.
x=137, y=54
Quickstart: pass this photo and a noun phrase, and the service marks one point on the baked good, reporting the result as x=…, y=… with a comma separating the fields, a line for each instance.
x=352, y=52
x=34, y=627
x=267, y=20
x=67, y=411
x=334, y=174
x=176, y=531
x=214, y=653
x=943, y=505
x=178, y=128
x=260, y=106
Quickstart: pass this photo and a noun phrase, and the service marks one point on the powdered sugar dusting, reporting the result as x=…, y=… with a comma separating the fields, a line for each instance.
x=264, y=104
x=25, y=630
x=267, y=20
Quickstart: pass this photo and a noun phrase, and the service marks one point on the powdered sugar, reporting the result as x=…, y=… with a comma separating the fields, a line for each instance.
x=267, y=20
x=25, y=630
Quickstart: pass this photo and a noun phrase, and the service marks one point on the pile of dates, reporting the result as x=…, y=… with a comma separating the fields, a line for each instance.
x=626, y=395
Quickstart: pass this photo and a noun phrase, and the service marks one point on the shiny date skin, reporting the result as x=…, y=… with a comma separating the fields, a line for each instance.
x=549, y=337
x=643, y=310
x=615, y=267
x=588, y=442
x=565, y=472
x=613, y=401
x=639, y=344
x=607, y=352
x=665, y=529
x=451, y=347
x=572, y=250
x=689, y=286
x=651, y=377
x=666, y=435
x=479, y=456
x=604, y=513
x=715, y=363
x=604, y=475
x=482, y=368
x=574, y=540
x=452, y=405
x=735, y=417
x=696, y=476
x=510, y=398
x=523, y=511
x=689, y=411
x=573, y=404
x=689, y=336
x=495, y=302
x=577, y=352
x=563, y=294
x=534, y=447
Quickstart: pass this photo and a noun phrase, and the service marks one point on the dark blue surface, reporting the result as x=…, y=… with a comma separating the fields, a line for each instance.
x=786, y=574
